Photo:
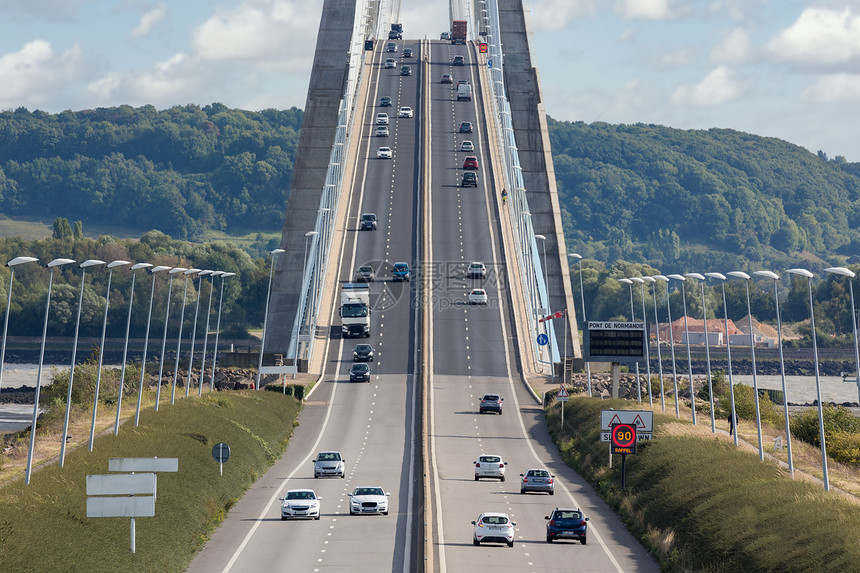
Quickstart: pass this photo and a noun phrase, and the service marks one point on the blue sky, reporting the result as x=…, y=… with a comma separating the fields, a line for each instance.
x=781, y=68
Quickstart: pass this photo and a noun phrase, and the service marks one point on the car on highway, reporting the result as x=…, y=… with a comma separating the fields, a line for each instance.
x=363, y=353
x=368, y=499
x=466, y=127
x=360, y=372
x=477, y=270
x=385, y=101
x=400, y=272
x=491, y=403
x=390, y=47
x=470, y=179
x=405, y=70
x=446, y=79
x=566, y=523
x=444, y=36
x=368, y=222
x=467, y=145
x=490, y=466
x=390, y=64
x=329, y=464
x=537, y=479
x=471, y=162
x=478, y=296
x=407, y=53
x=365, y=274
x=493, y=528
x=300, y=503
x=383, y=153
x=405, y=111
x=382, y=118
x=381, y=131
x=459, y=61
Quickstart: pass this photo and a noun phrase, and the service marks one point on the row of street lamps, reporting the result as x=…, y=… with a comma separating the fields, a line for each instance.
x=60, y=262
x=842, y=271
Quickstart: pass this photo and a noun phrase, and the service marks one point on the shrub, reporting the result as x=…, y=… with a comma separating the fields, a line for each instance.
x=745, y=406
x=837, y=419
x=844, y=447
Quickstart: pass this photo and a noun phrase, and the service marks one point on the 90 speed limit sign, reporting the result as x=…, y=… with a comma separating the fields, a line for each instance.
x=623, y=438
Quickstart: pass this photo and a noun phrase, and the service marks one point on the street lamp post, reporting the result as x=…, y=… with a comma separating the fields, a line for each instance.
x=578, y=257
x=304, y=325
x=179, y=336
x=224, y=275
x=274, y=254
x=206, y=335
x=707, y=347
x=775, y=277
x=722, y=278
x=542, y=239
x=154, y=270
x=110, y=267
x=134, y=269
x=746, y=277
x=201, y=274
x=641, y=282
x=659, y=352
x=687, y=334
x=52, y=265
x=164, y=336
x=84, y=265
x=11, y=264
x=850, y=274
x=629, y=283
x=809, y=275
x=665, y=279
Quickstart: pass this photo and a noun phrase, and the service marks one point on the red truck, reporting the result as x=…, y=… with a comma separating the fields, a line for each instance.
x=458, y=32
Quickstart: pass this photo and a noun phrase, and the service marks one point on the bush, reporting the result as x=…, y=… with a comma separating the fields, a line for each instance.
x=837, y=419
x=745, y=406
x=844, y=447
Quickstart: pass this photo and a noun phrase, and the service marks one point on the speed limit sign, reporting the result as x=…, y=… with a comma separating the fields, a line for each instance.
x=623, y=438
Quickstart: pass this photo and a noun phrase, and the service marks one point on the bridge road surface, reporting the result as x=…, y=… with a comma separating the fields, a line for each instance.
x=372, y=425
x=472, y=354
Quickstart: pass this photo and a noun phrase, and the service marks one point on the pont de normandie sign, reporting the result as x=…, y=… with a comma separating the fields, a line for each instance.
x=614, y=341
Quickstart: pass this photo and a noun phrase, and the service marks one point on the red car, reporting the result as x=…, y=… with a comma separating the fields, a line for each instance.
x=471, y=162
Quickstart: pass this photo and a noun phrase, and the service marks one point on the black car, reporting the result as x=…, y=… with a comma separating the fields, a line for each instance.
x=360, y=372
x=459, y=61
x=466, y=127
x=362, y=353
x=407, y=53
x=368, y=222
x=566, y=524
x=470, y=179
x=491, y=403
x=385, y=101
x=406, y=70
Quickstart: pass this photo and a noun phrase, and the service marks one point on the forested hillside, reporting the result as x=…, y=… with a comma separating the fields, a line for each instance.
x=701, y=199
x=181, y=171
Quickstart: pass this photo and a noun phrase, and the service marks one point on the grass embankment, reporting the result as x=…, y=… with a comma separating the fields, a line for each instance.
x=44, y=527
x=700, y=504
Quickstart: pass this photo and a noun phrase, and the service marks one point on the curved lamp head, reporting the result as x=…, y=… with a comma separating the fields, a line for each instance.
x=140, y=266
x=767, y=274
x=191, y=272
x=677, y=277
x=311, y=233
x=277, y=251
x=541, y=237
x=575, y=256
x=625, y=281
x=663, y=278
x=118, y=263
x=739, y=275
x=218, y=273
x=175, y=270
x=637, y=280
x=840, y=271
x=59, y=263
x=801, y=272
x=225, y=275
x=204, y=273
x=650, y=279
x=720, y=276
x=694, y=276
x=159, y=268
x=90, y=263
x=21, y=261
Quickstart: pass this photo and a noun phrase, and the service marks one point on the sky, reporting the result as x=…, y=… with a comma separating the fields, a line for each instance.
x=779, y=68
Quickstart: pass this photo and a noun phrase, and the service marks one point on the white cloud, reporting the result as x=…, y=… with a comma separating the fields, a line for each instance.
x=834, y=88
x=718, y=87
x=820, y=38
x=167, y=81
x=149, y=20
x=553, y=15
x=735, y=48
x=645, y=9
x=42, y=9
x=673, y=59
x=35, y=73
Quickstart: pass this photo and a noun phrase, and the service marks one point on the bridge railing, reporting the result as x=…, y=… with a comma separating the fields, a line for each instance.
x=318, y=241
x=532, y=274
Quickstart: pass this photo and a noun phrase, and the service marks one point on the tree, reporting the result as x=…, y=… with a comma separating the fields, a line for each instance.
x=62, y=229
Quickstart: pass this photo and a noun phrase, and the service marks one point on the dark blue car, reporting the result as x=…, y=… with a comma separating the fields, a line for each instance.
x=566, y=524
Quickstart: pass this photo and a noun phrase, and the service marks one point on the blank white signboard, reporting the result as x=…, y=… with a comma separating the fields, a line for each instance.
x=141, y=506
x=121, y=484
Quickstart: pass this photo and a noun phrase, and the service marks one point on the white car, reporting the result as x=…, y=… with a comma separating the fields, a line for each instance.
x=467, y=146
x=329, y=464
x=381, y=119
x=300, y=503
x=405, y=111
x=381, y=131
x=383, y=153
x=390, y=64
x=478, y=296
x=477, y=270
x=368, y=499
x=490, y=466
x=493, y=528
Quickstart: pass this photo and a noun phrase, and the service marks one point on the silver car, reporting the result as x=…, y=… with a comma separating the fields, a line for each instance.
x=368, y=499
x=329, y=464
x=537, y=479
x=300, y=503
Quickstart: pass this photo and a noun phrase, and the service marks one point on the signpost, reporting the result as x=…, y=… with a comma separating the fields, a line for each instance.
x=221, y=453
x=623, y=442
x=562, y=396
x=642, y=419
x=542, y=339
x=614, y=341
